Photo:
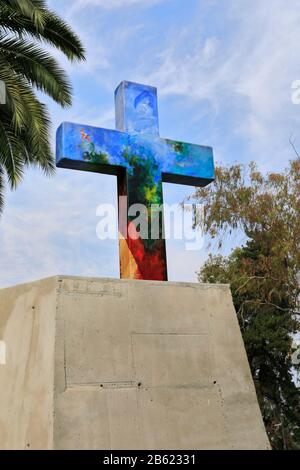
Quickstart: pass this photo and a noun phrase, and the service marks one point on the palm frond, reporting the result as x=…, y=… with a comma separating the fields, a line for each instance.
x=32, y=9
x=2, y=189
x=14, y=100
x=24, y=65
x=28, y=141
x=55, y=31
x=11, y=154
x=37, y=66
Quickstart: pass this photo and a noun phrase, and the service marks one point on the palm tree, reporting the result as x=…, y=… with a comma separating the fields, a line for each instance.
x=25, y=66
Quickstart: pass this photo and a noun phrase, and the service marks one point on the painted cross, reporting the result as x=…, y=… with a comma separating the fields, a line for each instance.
x=142, y=161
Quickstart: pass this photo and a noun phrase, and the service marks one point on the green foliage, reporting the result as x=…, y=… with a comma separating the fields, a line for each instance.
x=25, y=66
x=144, y=189
x=95, y=157
x=264, y=279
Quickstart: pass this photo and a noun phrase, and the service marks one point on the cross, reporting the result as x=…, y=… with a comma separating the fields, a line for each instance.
x=142, y=161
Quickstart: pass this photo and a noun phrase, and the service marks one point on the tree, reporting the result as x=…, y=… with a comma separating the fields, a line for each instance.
x=264, y=279
x=24, y=67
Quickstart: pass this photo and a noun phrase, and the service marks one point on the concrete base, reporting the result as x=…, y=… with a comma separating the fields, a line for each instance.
x=109, y=364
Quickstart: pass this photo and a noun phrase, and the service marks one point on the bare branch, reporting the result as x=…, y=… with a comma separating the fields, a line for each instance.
x=292, y=144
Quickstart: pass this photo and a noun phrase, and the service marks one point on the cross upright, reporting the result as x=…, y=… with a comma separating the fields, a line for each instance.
x=142, y=161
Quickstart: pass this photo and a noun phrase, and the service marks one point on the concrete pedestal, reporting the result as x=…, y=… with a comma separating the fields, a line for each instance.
x=109, y=364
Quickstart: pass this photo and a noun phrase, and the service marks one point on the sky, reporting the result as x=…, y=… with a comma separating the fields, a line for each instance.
x=224, y=71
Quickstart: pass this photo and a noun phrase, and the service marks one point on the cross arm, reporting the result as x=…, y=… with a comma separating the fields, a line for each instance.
x=108, y=151
x=188, y=164
x=89, y=148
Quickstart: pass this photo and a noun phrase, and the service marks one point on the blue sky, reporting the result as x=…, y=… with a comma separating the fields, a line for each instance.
x=223, y=69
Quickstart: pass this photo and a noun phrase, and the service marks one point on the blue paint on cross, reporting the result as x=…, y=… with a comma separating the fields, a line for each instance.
x=136, y=108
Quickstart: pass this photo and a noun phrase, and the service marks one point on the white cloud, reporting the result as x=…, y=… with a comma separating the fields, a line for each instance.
x=113, y=4
x=239, y=70
x=246, y=72
x=91, y=116
x=50, y=228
